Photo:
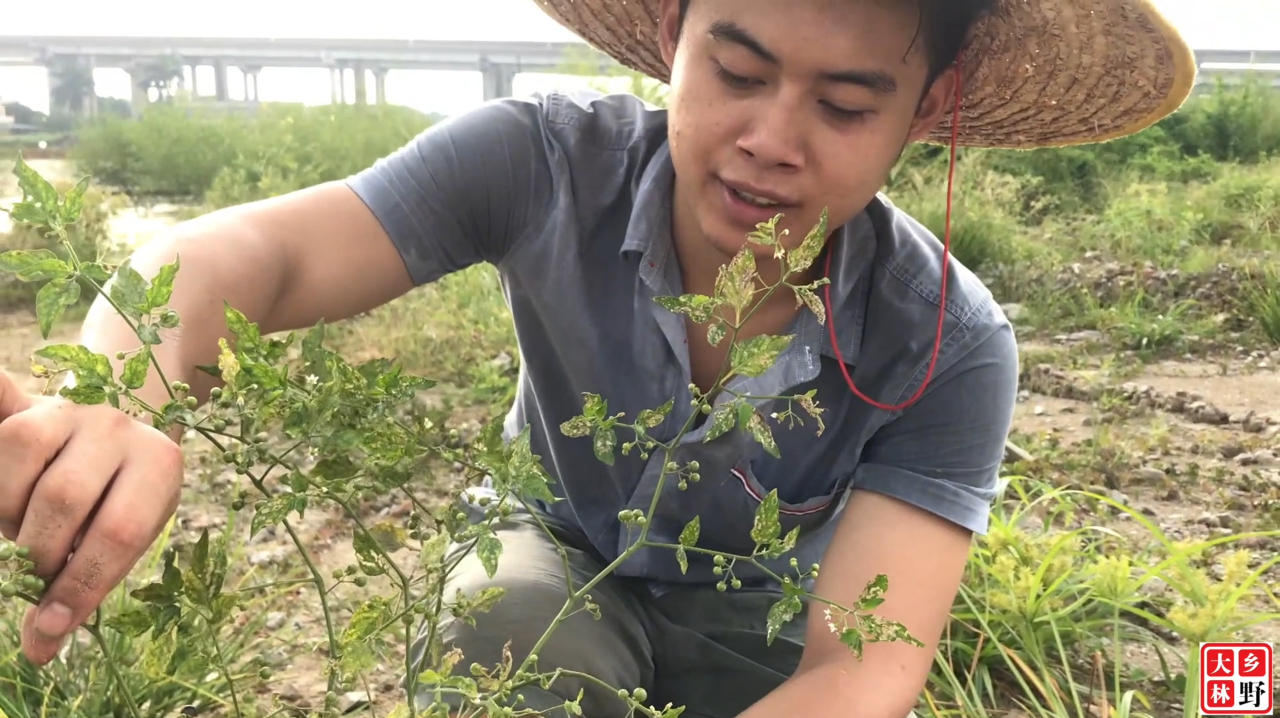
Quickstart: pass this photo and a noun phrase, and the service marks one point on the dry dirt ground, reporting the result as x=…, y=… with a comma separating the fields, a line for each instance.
x=1194, y=445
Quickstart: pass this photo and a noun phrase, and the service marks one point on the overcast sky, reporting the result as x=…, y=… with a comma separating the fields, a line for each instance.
x=1207, y=24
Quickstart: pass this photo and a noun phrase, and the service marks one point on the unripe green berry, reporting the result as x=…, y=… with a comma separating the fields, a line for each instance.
x=265, y=674
x=623, y=693
x=121, y=356
x=693, y=466
x=641, y=695
x=8, y=590
x=718, y=571
x=684, y=485
x=6, y=552
x=215, y=392
x=737, y=583
x=672, y=467
x=361, y=581
x=721, y=587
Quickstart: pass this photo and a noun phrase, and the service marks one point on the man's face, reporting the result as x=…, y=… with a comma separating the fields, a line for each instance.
x=805, y=103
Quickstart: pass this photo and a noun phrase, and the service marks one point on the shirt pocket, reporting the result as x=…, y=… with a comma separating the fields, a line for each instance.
x=739, y=497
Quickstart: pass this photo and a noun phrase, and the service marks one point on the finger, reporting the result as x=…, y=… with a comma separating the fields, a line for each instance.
x=64, y=496
x=13, y=399
x=29, y=442
x=139, y=501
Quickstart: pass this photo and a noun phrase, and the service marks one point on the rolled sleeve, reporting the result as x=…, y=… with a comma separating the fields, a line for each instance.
x=464, y=191
x=943, y=454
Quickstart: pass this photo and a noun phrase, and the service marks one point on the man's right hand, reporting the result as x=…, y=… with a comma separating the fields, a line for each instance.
x=85, y=479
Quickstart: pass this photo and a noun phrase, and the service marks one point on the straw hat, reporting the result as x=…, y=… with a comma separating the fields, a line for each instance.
x=1038, y=73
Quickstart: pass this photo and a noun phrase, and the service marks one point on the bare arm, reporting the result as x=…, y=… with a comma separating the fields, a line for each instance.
x=286, y=263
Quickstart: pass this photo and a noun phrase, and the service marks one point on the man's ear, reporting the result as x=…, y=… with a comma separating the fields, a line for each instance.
x=936, y=104
x=669, y=30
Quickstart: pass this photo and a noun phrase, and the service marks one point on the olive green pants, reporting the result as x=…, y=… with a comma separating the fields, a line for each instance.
x=695, y=646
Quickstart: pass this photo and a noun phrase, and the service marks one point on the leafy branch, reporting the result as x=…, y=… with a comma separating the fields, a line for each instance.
x=304, y=428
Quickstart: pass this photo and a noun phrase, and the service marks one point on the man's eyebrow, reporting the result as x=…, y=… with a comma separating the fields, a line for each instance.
x=877, y=81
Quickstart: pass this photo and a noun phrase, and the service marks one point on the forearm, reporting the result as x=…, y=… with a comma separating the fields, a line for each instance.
x=845, y=689
x=220, y=258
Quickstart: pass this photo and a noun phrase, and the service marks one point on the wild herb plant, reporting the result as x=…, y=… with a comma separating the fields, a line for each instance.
x=307, y=429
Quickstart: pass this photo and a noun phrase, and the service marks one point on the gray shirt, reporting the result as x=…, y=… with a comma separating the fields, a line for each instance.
x=570, y=200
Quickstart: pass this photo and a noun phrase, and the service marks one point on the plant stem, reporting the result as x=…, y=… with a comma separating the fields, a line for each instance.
x=115, y=670
x=222, y=665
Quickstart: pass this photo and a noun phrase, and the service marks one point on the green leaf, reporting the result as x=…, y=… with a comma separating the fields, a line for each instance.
x=762, y=434
x=736, y=283
x=16, y=261
x=851, y=638
x=723, y=418
x=52, y=301
x=89, y=368
x=605, y=441
x=809, y=298
x=270, y=512
x=873, y=594
x=766, y=527
x=766, y=233
x=780, y=614
x=73, y=202
x=39, y=198
x=689, y=536
x=650, y=418
x=801, y=257
x=594, y=407
x=577, y=427
x=96, y=271
x=131, y=622
x=368, y=555
x=34, y=265
x=683, y=559
x=754, y=356
x=716, y=333
x=247, y=333
x=148, y=334
x=129, y=291
x=135, y=369
x=697, y=307
x=85, y=395
x=489, y=549
x=161, y=289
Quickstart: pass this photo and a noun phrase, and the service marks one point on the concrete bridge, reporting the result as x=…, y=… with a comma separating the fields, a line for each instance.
x=498, y=62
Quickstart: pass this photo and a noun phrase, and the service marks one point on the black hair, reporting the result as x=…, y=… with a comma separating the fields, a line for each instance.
x=944, y=24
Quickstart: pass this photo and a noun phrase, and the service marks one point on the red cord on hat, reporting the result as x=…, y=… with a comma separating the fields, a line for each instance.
x=946, y=253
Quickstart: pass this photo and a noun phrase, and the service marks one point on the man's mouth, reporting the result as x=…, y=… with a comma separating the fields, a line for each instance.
x=752, y=199
x=757, y=197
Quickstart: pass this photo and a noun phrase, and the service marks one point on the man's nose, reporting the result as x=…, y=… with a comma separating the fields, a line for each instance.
x=773, y=137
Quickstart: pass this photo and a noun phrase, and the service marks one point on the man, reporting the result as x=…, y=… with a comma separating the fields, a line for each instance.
x=591, y=210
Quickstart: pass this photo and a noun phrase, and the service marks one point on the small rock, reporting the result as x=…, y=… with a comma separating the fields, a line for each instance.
x=1254, y=424
x=275, y=621
x=1119, y=497
x=353, y=701
x=1231, y=450
x=1040, y=411
x=1024, y=395
x=1149, y=474
x=1258, y=458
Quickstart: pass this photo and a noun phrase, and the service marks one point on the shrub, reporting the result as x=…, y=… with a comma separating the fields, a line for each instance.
x=222, y=157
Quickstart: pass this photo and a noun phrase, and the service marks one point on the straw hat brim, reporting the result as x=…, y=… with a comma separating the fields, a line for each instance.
x=1038, y=73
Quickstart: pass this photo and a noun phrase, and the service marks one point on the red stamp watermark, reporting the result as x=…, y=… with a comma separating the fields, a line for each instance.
x=1237, y=679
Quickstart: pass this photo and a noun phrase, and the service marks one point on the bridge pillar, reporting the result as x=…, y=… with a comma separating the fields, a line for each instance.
x=380, y=85
x=498, y=79
x=220, y=80
x=195, y=80
x=362, y=89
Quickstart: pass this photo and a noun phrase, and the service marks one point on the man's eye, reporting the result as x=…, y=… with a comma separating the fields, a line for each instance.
x=732, y=80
